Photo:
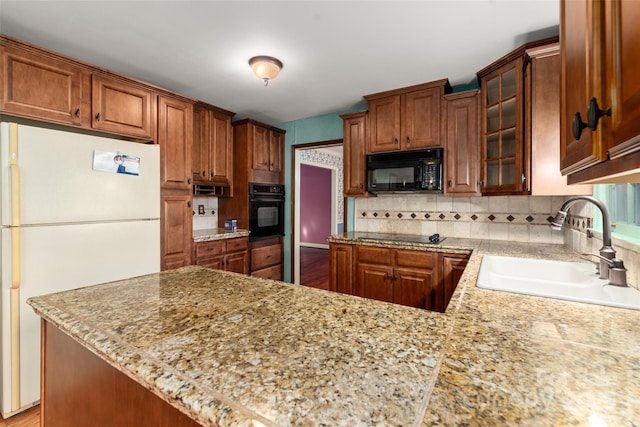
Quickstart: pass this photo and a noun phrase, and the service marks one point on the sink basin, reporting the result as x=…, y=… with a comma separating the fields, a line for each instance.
x=573, y=281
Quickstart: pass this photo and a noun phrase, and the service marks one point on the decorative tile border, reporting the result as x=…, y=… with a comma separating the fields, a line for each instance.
x=577, y=222
x=492, y=218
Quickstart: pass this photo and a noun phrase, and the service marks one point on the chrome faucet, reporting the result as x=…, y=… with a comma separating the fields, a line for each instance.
x=609, y=267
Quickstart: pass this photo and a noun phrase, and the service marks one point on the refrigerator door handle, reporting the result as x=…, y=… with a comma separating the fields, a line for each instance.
x=14, y=168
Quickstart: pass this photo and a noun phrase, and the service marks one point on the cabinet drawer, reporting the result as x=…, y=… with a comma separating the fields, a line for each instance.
x=266, y=256
x=209, y=249
x=273, y=272
x=373, y=255
x=406, y=258
x=215, y=262
x=238, y=244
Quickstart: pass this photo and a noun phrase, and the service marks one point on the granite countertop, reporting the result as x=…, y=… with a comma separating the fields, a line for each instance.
x=229, y=349
x=217, y=234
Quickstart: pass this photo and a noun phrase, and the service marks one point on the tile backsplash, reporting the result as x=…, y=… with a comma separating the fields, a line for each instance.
x=514, y=218
x=210, y=217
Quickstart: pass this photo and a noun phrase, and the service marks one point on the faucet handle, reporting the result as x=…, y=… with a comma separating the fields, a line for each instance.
x=617, y=270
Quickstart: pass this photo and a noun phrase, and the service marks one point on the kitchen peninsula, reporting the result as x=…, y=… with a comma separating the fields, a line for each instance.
x=219, y=348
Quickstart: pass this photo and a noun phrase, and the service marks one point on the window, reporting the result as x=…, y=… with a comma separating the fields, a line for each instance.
x=623, y=201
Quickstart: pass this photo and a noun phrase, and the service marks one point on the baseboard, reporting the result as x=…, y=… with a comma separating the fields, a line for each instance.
x=314, y=245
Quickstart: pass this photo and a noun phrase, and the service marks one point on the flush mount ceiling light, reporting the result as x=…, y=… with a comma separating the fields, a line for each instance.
x=265, y=67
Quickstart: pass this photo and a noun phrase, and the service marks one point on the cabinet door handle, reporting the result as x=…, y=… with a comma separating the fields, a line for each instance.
x=189, y=204
x=204, y=173
x=77, y=113
x=450, y=183
x=577, y=126
x=594, y=113
x=98, y=117
x=408, y=140
x=189, y=181
x=523, y=178
x=395, y=140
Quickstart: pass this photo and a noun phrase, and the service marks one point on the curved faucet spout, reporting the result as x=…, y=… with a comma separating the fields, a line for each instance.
x=558, y=221
x=606, y=251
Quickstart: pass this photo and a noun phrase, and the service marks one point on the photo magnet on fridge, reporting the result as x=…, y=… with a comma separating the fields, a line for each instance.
x=106, y=161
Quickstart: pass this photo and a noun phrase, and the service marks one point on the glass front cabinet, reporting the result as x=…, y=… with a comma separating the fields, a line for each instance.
x=503, y=151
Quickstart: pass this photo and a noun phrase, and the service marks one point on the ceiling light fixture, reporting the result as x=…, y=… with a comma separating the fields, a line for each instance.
x=265, y=67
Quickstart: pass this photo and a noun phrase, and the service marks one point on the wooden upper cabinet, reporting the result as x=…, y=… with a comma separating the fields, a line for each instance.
x=268, y=146
x=462, y=148
x=353, y=138
x=42, y=87
x=600, y=63
x=276, y=151
x=502, y=128
x=542, y=124
x=406, y=119
x=258, y=152
x=212, y=146
x=383, y=132
x=521, y=132
x=175, y=129
x=622, y=46
x=122, y=108
x=421, y=118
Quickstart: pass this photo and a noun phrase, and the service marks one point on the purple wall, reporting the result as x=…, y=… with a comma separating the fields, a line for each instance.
x=315, y=204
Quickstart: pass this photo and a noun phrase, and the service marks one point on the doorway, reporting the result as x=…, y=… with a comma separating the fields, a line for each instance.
x=318, y=209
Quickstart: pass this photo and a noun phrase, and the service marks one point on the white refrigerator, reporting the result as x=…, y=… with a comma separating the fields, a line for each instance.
x=77, y=210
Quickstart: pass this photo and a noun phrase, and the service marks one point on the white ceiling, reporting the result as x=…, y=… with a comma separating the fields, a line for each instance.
x=334, y=52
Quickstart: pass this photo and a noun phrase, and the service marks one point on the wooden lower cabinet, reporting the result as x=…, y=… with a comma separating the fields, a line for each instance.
x=453, y=266
x=396, y=275
x=421, y=279
x=414, y=288
x=341, y=267
x=81, y=389
x=267, y=258
x=227, y=254
x=374, y=281
x=175, y=222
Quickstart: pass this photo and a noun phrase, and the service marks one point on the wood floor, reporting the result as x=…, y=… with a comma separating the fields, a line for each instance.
x=29, y=418
x=314, y=267
x=314, y=272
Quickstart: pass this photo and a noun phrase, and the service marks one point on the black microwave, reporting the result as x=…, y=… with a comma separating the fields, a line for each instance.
x=405, y=171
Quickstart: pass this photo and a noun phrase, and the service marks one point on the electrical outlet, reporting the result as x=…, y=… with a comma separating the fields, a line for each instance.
x=200, y=209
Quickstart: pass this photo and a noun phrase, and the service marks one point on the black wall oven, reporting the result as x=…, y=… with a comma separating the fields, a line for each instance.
x=266, y=210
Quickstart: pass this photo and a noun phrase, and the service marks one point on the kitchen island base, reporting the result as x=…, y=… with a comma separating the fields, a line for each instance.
x=81, y=389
